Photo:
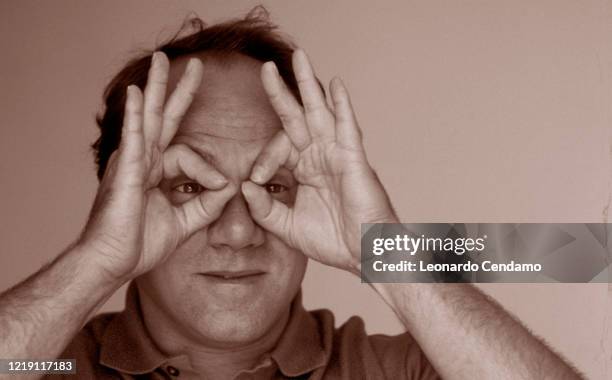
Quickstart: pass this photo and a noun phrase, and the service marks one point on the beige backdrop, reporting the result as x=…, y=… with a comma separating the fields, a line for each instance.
x=473, y=111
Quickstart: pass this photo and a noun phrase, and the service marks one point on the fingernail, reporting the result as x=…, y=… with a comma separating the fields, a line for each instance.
x=191, y=65
x=272, y=67
x=257, y=174
x=220, y=180
x=130, y=93
x=247, y=190
x=300, y=53
x=158, y=58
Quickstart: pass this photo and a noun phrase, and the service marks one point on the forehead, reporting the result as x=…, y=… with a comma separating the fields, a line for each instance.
x=230, y=106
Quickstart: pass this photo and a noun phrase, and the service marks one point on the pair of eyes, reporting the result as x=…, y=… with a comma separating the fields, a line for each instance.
x=196, y=188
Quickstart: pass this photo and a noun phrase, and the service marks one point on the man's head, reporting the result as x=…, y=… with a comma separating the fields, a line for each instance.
x=254, y=36
x=228, y=123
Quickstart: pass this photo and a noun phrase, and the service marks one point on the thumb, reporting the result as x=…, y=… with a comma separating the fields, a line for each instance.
x=268, y=212
x=201, y=211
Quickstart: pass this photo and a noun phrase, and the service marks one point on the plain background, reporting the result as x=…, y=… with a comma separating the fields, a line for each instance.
x=473, y=111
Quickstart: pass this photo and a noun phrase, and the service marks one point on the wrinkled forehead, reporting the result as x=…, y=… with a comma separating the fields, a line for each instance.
x=230, y=104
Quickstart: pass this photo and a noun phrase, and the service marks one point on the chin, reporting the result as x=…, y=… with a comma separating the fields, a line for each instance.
x=237, y=325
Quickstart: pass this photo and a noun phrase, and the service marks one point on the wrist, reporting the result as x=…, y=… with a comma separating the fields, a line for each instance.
x=354, y=265
x=354, y=268
x=94, y=271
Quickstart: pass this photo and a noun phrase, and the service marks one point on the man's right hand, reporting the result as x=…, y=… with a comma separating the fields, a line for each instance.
x=133, y=226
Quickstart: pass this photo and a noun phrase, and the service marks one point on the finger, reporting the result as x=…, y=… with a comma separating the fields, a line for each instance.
x=110, y=172
x=204, y=209
x=181, y=160
x=348, y=133
x=125, y=168
x=318, y=117
x=287, y=108
x=180, y=100
x=278, y=152
x=154, y=95
x=271, y=214
x=130, y=162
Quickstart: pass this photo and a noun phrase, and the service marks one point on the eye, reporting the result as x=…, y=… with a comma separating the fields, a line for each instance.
x=189, y=188
x=275, y=188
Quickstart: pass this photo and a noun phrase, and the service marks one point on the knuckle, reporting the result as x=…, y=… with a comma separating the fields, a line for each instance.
x=314, y=106
x=171, y=150
x=289, y=118
x=186, y=90
x=160, y=78
x=133, y=111
x=264, y=157
x=155, y=109
x=276, y=99
x=180, y=147
x=181, y=150
x=303, y=80
x=172, y=118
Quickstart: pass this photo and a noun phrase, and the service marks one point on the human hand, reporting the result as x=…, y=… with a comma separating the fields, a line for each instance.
x=133, y=226
x=337, y=188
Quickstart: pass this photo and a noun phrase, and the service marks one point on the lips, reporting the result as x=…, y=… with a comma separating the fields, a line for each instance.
x=233, y=275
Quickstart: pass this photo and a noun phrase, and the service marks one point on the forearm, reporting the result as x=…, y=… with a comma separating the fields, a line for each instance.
x=467, y=335
x=39, y=316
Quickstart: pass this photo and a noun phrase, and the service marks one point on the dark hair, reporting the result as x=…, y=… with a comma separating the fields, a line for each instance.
x=254, y=36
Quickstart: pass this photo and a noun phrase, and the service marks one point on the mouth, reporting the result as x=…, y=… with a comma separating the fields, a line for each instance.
x=233, y=277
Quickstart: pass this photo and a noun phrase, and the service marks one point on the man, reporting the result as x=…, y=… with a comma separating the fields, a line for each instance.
x=218, y=181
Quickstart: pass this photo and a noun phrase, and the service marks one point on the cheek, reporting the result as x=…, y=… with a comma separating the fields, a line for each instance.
x=172, y=277
x=189, y=258
x=289, y=265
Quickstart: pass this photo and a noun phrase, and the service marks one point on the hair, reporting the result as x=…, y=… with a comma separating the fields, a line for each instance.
x=253, y=36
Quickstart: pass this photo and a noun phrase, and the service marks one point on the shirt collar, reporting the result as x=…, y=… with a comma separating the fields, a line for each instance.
x=126, y=346
x=305, y=344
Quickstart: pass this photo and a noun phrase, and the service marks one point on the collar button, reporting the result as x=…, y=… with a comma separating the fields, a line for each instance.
x=172, y=371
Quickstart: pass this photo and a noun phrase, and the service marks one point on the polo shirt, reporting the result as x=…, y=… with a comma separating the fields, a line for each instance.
x=118, y=346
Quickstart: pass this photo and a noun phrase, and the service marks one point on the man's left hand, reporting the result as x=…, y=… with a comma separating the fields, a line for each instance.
x=337, y=188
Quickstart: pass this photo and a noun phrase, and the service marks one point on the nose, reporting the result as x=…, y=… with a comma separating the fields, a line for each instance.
x=235, y=228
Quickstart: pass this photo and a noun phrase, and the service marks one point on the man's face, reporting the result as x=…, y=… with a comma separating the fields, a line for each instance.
x=229, y=122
